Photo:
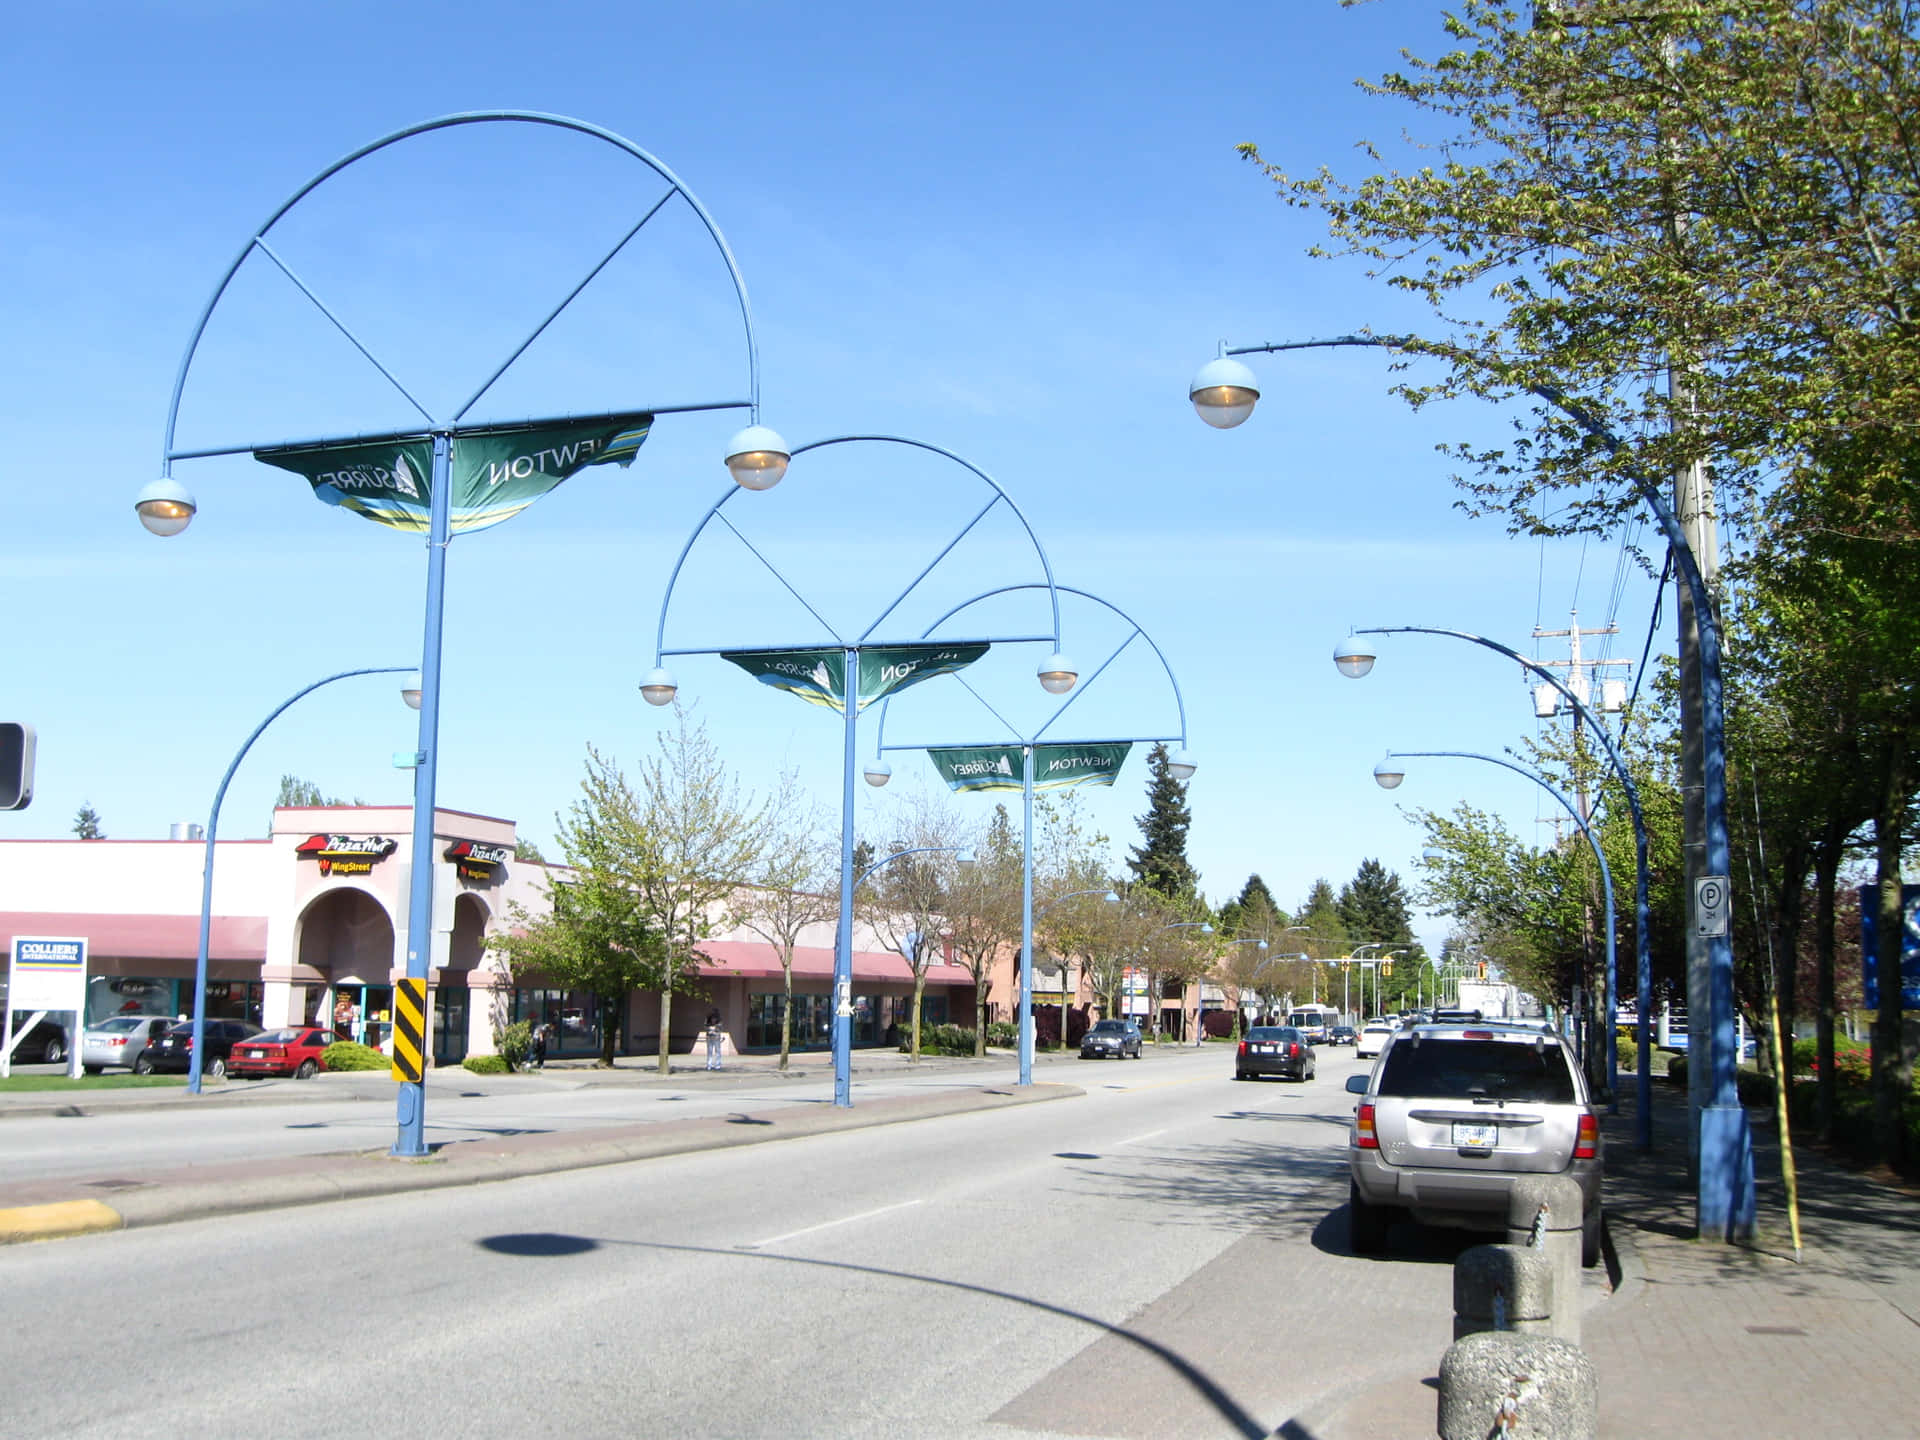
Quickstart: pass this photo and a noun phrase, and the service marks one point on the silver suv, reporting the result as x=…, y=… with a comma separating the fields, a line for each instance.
x=1451, y=1113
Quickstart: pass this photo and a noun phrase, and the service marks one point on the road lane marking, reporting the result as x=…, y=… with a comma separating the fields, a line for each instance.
x=1151, y=1134
x=1159, y=1085
x=828, y=1225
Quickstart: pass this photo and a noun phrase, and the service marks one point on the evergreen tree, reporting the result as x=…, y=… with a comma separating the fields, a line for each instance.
x=1160, y=861
x=1326, y=932
x=86, y=824
x=1373, y=905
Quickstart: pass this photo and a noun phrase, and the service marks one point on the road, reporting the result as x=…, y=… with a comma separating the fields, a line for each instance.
x=1163, y=1257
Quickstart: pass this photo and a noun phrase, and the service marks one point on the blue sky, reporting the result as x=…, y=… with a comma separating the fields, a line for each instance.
x=1011, y=232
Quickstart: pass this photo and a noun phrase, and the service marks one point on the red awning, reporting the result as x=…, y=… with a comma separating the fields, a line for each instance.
x=147, y=937
x=757, y=960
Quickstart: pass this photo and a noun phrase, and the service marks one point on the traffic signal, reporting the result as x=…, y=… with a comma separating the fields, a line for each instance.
x=1386, y=968
x=1483, y=969
x=16, y=765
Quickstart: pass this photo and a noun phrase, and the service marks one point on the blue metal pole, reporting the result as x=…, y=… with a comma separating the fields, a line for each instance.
x=843, y=947
x=1026, y=919
x=206, y=865
x=410, y=1104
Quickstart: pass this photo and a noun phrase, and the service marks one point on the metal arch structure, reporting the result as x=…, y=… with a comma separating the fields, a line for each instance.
x=1606, y=874
x=1642, y=910
x=443, y=433
x=1724, y=1200
x=850, y=647
x=1027, y=742
x=258, y=241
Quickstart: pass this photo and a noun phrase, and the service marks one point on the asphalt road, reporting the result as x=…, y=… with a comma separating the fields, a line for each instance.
x=1162, y=1257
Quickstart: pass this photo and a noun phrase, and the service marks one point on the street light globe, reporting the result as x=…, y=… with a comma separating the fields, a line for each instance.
x=410, y=692
x=1181, y=765
x=1389, y=773
x=1057, y=674
x=659, y=687
x=1205, y=929
x=1353, y=657
x=1223, y=393
x=1110, y=898
x=164, y=507
x=964, y=857
x=757, y=457
x=878, y=772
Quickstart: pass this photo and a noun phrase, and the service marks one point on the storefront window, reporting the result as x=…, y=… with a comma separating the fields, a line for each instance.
x=573, y=1015
x=134, y=995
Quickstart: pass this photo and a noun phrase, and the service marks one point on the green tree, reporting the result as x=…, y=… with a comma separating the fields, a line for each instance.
x=792, y=887
x=1373, y=906
x=983, y=912
x=86, y=823
x=1160, y=861
x=525, y=849
x=907, y=901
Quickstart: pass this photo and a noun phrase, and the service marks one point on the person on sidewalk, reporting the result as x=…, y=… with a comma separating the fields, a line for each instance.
x=715, y=1038
x=537, y=1050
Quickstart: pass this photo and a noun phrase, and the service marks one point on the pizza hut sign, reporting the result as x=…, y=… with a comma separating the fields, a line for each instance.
x=476, y=862
x=346, y=854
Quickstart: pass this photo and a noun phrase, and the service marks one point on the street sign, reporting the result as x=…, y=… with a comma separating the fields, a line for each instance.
x=1712, y=906
x=45, y=973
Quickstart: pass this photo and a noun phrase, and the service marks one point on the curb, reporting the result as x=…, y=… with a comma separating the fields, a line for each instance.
x=321, y=1179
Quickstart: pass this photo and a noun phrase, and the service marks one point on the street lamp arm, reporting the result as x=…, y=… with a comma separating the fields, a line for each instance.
x=914, y=850
x=1074, y=894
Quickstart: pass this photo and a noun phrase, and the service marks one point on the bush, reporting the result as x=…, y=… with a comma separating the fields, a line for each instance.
x=1677, y=1070
x=485, y=1064
x=515, y=1044
x=1003, y=1034
x=346, y=1055
x=938, y=1040
x=1629, y=1054
x=1852, y=1061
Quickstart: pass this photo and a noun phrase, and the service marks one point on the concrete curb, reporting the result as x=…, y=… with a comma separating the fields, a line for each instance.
x=319, y=1179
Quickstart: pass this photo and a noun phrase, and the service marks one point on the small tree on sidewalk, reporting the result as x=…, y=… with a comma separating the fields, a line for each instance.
x=789, y=891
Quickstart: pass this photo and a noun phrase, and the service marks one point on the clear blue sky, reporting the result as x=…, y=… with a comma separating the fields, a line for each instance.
x=1012, y=231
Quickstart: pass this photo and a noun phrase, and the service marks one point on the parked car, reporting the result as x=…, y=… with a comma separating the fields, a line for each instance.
x=1452, y=1114
x=118, y=1040
x=46, y=1044
x=1341, y=1035
x=1373, y=1037
x=1117, y=1038
x=1274, y=1050
x=298, y=1050
x=174, y=1049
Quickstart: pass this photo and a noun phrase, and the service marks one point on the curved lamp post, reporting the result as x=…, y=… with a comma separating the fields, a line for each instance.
x=1056, y=674
x=410, y=693
x=756, y=458
x=1388, y=775
x=1224, y=393
x=1107, y=897
x=1180, y=764
x=1355, y=658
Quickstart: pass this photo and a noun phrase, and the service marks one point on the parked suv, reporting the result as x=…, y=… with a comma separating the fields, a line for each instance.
x=1451, y=1113
x=1118, y=1038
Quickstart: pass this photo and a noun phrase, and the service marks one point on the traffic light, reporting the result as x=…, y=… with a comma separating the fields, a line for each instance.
x=16, y=765
x=1386, y=969
x=1483, y=969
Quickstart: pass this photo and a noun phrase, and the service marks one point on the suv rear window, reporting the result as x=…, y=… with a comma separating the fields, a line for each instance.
x=1430, y=1067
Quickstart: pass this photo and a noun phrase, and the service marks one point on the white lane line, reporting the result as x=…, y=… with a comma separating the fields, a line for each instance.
x=844, y=1220
x=1138, y=1138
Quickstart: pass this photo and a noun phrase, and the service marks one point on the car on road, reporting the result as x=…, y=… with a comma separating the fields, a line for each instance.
x=296, y=1050
x=116, y=1042
x=1274, y=1050
x=1452, y=1114
x=1118, y=1038
x=173, y=1051
x=1341, y=1035
x=1373, y=1037
x=46, y=1044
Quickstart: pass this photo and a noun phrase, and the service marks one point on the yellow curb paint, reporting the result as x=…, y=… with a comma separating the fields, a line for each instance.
x=55, y=1222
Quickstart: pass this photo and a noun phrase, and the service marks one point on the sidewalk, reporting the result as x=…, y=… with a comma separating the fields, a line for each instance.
x=1710, y=1340
x=55, y=1209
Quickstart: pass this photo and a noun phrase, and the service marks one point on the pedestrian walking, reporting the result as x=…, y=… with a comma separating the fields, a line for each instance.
x=537, y=1051
x=715, y=1037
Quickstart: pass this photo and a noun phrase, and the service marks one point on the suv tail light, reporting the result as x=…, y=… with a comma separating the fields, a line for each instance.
x=1293, y=1049
x=1363, y=1136
x=1586, y=1145
x=1243, y=1047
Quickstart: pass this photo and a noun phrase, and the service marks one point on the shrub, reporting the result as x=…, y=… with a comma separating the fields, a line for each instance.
x=346, y=1055
x=1677, y=1069
x=1852, y=1061
x=938, y=1040
x=1003, y=1034
x=515, y=1044
x=1629, y=1054
x=485, y=1064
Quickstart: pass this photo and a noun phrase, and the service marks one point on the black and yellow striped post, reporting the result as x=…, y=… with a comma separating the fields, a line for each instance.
x=409, y=1030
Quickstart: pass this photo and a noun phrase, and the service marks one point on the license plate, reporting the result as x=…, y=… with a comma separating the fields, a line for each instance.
x=1475, y=1137
x=256, y=1054
x=1267, y=1049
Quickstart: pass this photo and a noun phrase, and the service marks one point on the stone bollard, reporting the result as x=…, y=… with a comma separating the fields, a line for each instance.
x=1532, y=1386
x=1544, y=1214
x=1502, y=1287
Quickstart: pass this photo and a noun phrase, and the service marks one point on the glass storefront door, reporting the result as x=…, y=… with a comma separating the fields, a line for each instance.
x=449, y=1025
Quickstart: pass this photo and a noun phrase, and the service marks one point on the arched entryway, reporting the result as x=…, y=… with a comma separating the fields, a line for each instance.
x=347, y=937
x=453, y=1000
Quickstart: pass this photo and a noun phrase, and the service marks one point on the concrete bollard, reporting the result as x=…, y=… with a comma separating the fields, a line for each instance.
x=1544, y=1214
x=1532, y=1386
x=1502, y=1287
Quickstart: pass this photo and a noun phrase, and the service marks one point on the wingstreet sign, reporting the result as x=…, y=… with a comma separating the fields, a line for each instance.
x=819, y=676
x=1055, y=767
x=496, y=473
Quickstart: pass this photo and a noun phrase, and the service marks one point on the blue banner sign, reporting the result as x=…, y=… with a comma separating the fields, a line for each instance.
x=1909, y=945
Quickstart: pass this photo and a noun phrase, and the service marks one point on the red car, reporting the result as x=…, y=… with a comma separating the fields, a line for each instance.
x=294, y=1051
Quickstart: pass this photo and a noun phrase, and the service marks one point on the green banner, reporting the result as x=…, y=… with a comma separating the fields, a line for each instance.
x=496, y=473
x=1055, y=767
x=819, y=676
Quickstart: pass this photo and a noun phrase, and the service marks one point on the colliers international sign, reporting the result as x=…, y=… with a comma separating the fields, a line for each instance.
x=346, y=854
x=820, y=676
x=1055, y=767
